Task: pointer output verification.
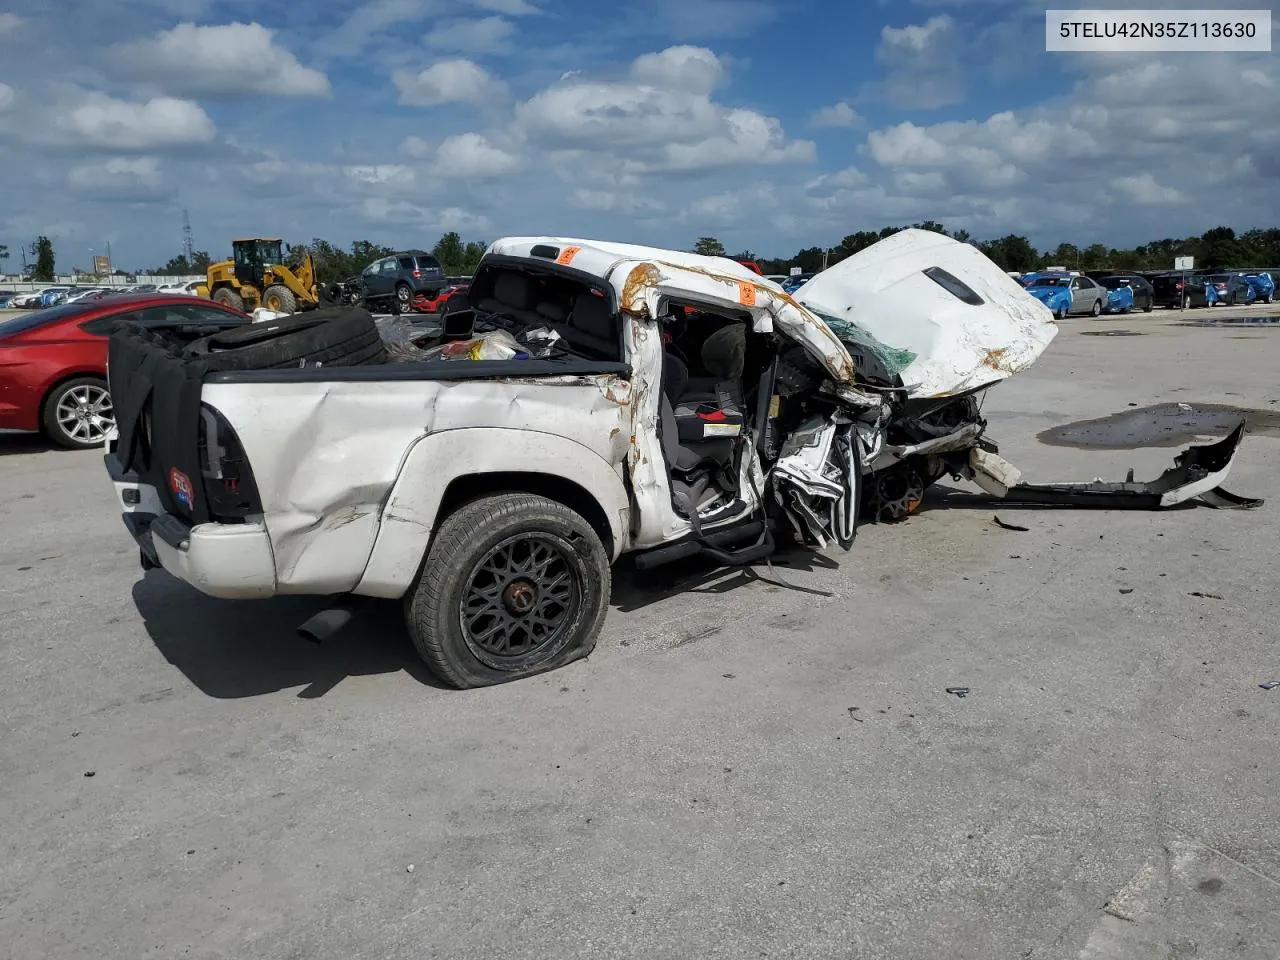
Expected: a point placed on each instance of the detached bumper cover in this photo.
(1197, 474)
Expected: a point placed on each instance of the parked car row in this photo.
(56, 294)
(1180, 290)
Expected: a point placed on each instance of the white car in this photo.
(592, 399)
(190, 289)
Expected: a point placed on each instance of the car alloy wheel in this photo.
(521, 597)
(84, 414)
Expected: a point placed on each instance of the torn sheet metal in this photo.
(817, 480)
(642, 276)
(1197, 474)
(957, 345)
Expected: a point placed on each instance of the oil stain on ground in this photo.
(1162, 425)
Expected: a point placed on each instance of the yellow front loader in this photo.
(257, 276)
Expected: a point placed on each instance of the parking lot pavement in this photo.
(759, 763)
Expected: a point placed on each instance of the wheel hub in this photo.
(520, 597)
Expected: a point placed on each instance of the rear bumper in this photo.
(229, 560)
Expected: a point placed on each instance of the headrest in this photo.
(514, 290)
(591, 314)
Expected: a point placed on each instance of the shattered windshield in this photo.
(894, 359)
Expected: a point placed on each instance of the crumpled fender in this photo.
(408, 518)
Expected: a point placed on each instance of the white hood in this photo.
(958, 346)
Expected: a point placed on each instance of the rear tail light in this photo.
(228, 479)
(417, 274)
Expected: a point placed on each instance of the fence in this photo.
(17, 284)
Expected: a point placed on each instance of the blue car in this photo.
(792, 284)
(1065, 293)
(1263, 287)
(1119, 300)
(53, 296)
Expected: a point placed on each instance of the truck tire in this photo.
(229, 298)
(279, 298)
(513, 585)
(341, 336)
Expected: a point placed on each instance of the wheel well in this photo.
(48, 394)
(463, 490)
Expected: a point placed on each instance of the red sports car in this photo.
(53, 363)
(423, 305)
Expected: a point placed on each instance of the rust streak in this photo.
(995, 359)
(641, 278)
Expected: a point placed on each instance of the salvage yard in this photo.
(759, 763)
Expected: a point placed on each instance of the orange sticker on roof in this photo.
(567, 255)
(746, 293)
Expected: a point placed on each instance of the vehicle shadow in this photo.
(231, 649)
(17, 443)
(636, 589)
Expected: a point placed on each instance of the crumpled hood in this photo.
(957, 346)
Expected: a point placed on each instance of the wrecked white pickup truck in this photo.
(591, 400)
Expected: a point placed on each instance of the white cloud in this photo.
(512, 8)
(923, 64)
(120, 179)
(9, 22)
(638, 126)
(828, 183)
(163, 122)
(7, 96)
(370, 19)
(472, 155)
(837, 115)
(1131, 142)
(398, 211)
(448, 81)
(693, 69)
(1144, 189)
(235, 58)
(915, 41)
(615, 202)
(469, 156)
(486, 35)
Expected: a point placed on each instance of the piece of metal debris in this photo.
(1207, 596)
(1270, 684)
(1126, 589)
(1010, 526)
(960, 692)
(853, 714)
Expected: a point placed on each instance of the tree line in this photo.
(1216, 249)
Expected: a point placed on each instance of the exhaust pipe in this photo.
(326, 623)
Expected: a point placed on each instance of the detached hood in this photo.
(954, 337)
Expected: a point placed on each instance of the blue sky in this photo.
(771, 125)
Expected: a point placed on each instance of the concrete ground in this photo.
(752, 764)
